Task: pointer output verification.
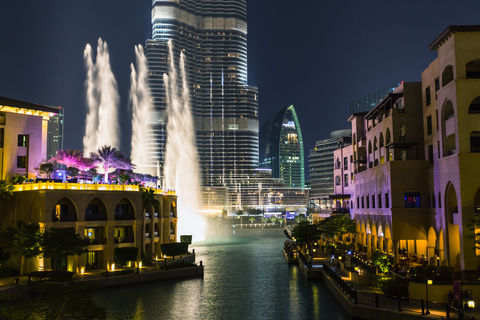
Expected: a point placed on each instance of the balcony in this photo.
(341, 211)
(124, 217)
(124, 240)
(95, 217)
(95, 241)
(65, 218)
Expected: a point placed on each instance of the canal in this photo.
(246, 277)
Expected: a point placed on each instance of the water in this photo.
(181, 160)
(140, 99)
(246, 277)
(101, 125)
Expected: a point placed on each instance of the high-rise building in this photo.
(55, 133)
(212, 35)
(281, 148)
(369, 101)
(322, 165)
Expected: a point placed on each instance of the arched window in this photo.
(401, 132)
(381, 140)
(475, 142)
(375, 144)
(474, 106)
(447, 75)
(448, 111)
(439, 200)
(337, 180)
(433, 200)
(387, 136)
(473, 69)
(369, 147)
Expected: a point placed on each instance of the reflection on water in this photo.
(246, 277)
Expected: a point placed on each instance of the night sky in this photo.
(316, 55)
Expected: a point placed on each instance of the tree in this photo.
(108, 157)
(306, 233)
(58, 242)
(381, 260)
(22, 241)
(4, 256)
(68, 157)
(300, 217)
(254, 212)
(252, 220)
(239, 212)
(6, 190)
(73, 301)
(148, 198)
(274, 219)
(337, 225)
(46, 168)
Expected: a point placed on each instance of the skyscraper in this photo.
(281, 148)
(55, 133)
(213, 36)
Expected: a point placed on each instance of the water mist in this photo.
(181, 160)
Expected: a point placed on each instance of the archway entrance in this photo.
(453, 230)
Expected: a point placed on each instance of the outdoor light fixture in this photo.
(314, 250)
(430, 282)
(356, 268)
(113, 267)
(82, 270)
(470, 301)
(140, 264)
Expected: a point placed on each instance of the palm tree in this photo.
(6, 190)
(148, 198)
(108, 157)
(22, 241)
(46, 168)
(67, 157)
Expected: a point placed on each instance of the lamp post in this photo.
(427, 283)
(470, 302)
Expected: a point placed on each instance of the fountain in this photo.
(181, 160)
(102, 100)
(140, 99)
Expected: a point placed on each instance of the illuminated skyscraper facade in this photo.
(281, 148)
(55, 134)
(213, 36)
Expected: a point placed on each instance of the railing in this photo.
(95, 217)
(155, 234)
(155, 215)
(65, 218)
(147, 235)
(342, 284)
(124, 217)
(95, 241)
(83, 186)
(124, 240)
(341, 210)
(147, 215)
(172, 215)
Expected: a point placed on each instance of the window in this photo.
(346, 179)
(436, 118)
(337, 181)
(438, 149)
(428, 99)
(430, 154)
(351, 158)
(358, 203)
(387, 200)
(433, 200)
(363, 203)
(92, 209)
(1, 137)
(22, 140)
(351, 176)
(439, 200)
(380, 200)
(412, 200)
(345, 163)
(399, 105)
(437, 85)
(22, 162)
(373, 201)
(121, 209)
(403, 155)
(401, 133)
(429, 125)
(368, 202)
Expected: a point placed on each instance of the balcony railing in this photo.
(95, 241)
(147, 235)
(147, 215)
(95, 217)
(341, 210)
(124, 240)
(124, 217)
(65, 218)
(83, 187)
(155, 234)
(172, 231)
(155, 215)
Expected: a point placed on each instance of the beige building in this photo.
(111, 216)
(416, 155)
(23, 137)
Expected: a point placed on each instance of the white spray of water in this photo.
(181, 160)
(101, 127)
(140, 99)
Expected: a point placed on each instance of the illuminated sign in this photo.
(289, 124)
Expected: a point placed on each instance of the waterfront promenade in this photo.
(366, 302)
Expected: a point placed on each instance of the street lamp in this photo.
(470, 301)
(428, 283)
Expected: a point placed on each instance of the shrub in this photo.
(118, 273)
(376, 280)
(393, 287)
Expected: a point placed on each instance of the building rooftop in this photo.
(18, 106)
(450, 30)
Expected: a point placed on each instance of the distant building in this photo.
(281, 148)
(55, 133)
(369, 101)
(322, 165)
